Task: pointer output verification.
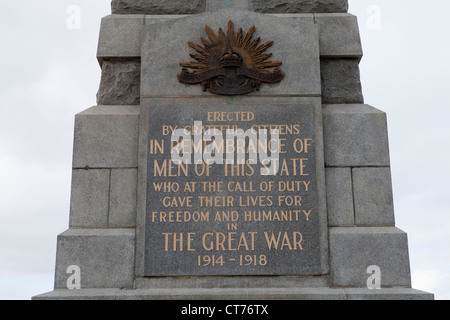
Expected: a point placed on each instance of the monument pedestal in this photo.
(239, 294)
(308, 214)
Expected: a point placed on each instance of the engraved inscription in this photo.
(229, 218)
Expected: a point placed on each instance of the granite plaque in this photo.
(231, 191)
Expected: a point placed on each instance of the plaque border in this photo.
(278, 102)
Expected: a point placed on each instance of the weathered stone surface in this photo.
(355, 135)
(340, 197)
(158, 6)
(339, 35)
(302, 293)
(374, 204)
(120, 37)
(104, 256)
(106, 137)
(300, 6)
(214, 5)
(122, 203)
(231, 282)
(354, 249)
(89, 199)
(120, 83)
(299, 54)
(387, 294)
(341, 81)
(198, 6)
(236, 294)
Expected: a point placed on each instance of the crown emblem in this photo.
(230, 63)
(230, 59)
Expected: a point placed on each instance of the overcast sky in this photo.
(49, 72)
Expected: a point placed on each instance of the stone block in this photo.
(374, 203)
(161, 18)
(122, 203)
(106, 137)
(387, 294)
(231, 282)
(353, 250)
(299, 6)
(120, 83)
(239, 294)
(339, 197)
(214, 5)
(89, 199)
(79, 295)
(158, 6)
(236, 294)
(355, 136)
(341, 83)
(105, 257)
(120, 37)
(339, 35)
(299, 54)
(199, 6)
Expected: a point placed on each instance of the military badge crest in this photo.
(231, 63)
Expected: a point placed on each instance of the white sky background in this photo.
(48, 73)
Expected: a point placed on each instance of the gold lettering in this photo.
(190, 239)
(216, 201)
(204, 169)
(286, 242)
(273, 242)
(155, 146)
(255, 201)
(307, 213)
(177, 201)
(168, 130)
(168, 169)
(298, 167)
(284, 168)
(243, 243)
(235, 186)
(290, 201)
(298, 238)
(211, 244)
(229, 241)
(212, 186)
(189, 186)
(245, 116)
(227, 216)
(178, 240)
(166, 241)
(220, 241)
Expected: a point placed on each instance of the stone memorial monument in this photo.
(231, 156)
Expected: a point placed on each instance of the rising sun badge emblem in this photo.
(231, 64)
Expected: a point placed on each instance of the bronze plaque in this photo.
(232, 219)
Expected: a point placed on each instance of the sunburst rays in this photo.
(213, 47)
